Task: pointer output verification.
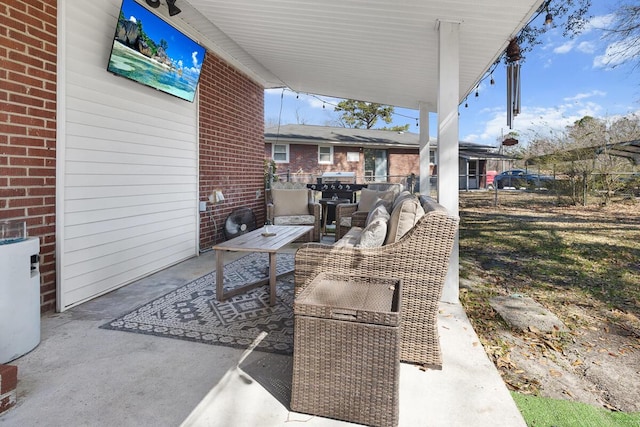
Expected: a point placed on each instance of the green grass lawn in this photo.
(545, 412)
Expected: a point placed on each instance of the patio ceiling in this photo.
(372, 50)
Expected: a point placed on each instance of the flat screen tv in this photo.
(150, 51)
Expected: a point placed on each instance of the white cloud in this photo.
(598, 23)
(194, 59)
(617, 53)
(581, 96)
(537, 121)
(133, 19)
(565, 47)
(586, 47)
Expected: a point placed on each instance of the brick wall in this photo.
(28, 126)
(403, 162)
(231, 145)
(8, 384)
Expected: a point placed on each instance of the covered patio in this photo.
(127, 168)
(81, 375)
(427, 56)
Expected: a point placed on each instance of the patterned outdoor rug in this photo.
(193, 313)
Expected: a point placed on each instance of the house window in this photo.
(280, 153)
(353, 156)
(325, 154)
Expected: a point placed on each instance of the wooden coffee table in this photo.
(254, 241)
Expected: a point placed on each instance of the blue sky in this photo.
(562, 81)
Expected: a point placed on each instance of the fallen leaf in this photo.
(555, 373)
(576, 362)
(551, 345)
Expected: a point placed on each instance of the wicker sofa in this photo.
(420, 258)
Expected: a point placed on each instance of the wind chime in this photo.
(513, 81)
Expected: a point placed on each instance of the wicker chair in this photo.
(420, 259)
(309, 215)
(348, 215)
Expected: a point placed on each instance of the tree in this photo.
(404, 128)
(360, 114)
(570, 15)
(582, 154)
(624, 32)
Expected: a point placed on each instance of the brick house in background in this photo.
(306, 152)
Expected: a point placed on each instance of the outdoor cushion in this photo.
(369, 197)
(345, 221)
(379, 210)
(400, 198)
(403, 217)
(294, 220)
(350, 239)
(290, 202)
(373, 235)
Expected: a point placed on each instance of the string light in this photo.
(325, 102)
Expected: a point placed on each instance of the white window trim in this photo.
(273, 148)
(330, 161)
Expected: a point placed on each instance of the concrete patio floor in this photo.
(81, 375)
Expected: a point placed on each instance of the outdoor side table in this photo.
(346, 357)
(329, 211)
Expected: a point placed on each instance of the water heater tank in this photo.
(19, 298)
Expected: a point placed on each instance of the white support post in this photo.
(425, 147)
(448, 139)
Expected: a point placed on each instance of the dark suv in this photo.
(519, 178)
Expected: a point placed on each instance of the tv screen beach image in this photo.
(150, 51)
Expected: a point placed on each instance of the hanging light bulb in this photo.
(492, 81)
(548, 20)
(416, 122)
(477, 94)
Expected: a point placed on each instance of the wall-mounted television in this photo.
(150, 51)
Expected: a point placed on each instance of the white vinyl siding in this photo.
(280, 153)
(127, 166)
